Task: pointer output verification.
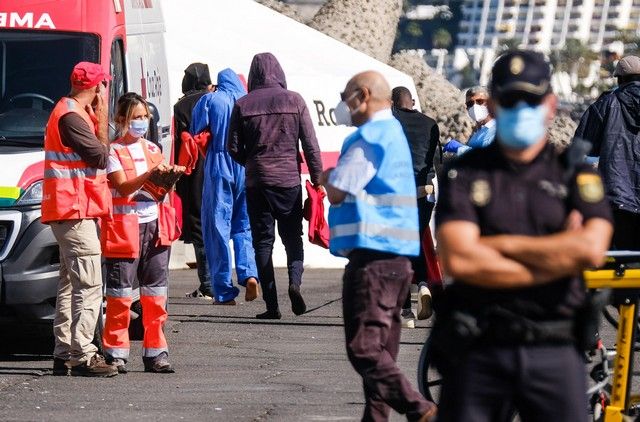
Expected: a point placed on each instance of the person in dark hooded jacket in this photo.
(195, 83)
(612, 124)
(267, 126)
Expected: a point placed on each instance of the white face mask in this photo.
(478, 113)
(343, 114)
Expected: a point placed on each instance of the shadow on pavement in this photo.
(26, 342)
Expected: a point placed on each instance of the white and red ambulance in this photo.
(40, 42)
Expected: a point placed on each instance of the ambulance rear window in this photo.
(34, 74)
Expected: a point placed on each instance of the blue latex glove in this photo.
(452, 146)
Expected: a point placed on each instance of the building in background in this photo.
(490, 26)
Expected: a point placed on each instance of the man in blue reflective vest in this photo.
(374, 222)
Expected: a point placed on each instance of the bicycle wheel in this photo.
(429, 379)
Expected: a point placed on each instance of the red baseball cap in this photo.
(86, 75)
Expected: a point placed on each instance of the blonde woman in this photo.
(136, 239)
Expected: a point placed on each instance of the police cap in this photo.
(520, 73)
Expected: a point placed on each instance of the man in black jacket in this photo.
(611, 124)
(423, 135)
(195, 83)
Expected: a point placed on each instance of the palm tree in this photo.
(630, 39)
(509, 44)
(574, 58)
(441, 38)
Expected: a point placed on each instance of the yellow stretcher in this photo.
(621, 272)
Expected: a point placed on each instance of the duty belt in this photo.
(506, 327)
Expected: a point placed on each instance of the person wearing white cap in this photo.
(611, 125)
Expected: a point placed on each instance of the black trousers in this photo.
(543, 383)
(626, 234)
(267, 205)
(375, 285)
(419, 263)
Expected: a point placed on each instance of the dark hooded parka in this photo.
(267, 127)
(266, 130)
(195, 84)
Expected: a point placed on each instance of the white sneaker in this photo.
(408, 318)
(425, 309)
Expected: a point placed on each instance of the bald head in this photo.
(367, 92)
(373, 82)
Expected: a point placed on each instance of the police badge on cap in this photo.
(521, 71)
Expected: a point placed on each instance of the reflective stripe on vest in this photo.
(372, 230)
(384, 215)
(62, 156)
(72, 173)
(124, 229)
(382, 200)
(71, 189)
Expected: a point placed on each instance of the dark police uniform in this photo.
(505, 365)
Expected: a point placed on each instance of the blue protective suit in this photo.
(224, 205)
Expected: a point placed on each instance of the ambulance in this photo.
(40, 42)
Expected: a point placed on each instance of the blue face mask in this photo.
(138, 127)
(521, 126)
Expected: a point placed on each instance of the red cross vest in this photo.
(71, 189)
(120, 233)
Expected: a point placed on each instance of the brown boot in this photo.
(96, 367)
(251, 292)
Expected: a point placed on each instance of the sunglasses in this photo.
(346, 99)
(509, 100)
(479, 101)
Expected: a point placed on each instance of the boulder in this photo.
(366, 25)
(286, 9)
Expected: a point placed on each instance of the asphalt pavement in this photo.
(229, 366)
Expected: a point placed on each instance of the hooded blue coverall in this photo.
(224, 205)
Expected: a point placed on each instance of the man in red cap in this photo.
(75, 194)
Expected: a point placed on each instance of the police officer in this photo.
(517, 223)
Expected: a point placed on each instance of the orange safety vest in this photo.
(120, 233)
(71, 189)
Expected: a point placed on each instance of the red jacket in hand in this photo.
(314, 213)
(190, 147)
